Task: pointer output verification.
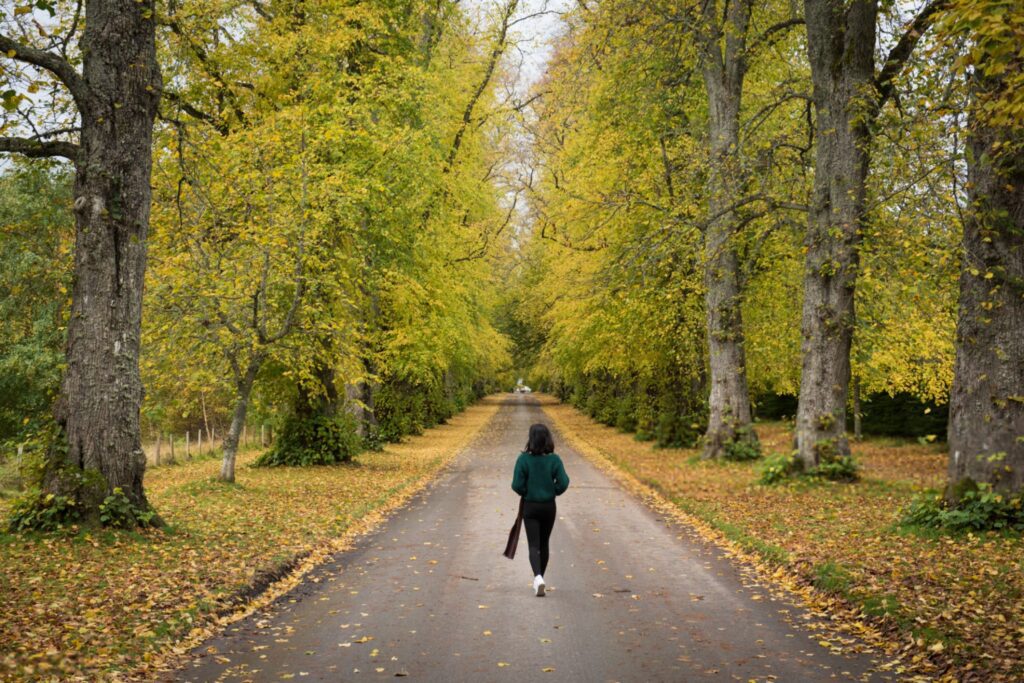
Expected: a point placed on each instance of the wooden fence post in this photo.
(158, 448)
(171, 439)
(263, 435)
(188, 445)
(199, 441)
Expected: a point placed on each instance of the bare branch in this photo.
(72, 29)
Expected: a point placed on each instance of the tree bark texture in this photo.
(243, 390)
(986, 407)
(841, 42)
(729, 416)
(101, 393)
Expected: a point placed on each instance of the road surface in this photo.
(429, 597)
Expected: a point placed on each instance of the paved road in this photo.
(430, 597)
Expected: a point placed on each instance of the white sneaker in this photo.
(538, 586)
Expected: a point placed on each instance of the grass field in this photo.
(89, 605)
(954, 605)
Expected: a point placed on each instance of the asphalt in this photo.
(632, 597)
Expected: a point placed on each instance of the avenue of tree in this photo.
(717, 184)
(345, 216)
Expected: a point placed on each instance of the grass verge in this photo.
(97, 605)
(945, 607)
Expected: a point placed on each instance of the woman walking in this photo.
(539, 476)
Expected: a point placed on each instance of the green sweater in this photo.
(539, 478)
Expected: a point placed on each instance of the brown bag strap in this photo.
(513, 534)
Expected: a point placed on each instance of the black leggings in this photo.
(539, 518)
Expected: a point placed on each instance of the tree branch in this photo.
(195, 113)
(901, 52)
(766, 35)
(492, 63)
(37, 149)
(55, 64)
(207, 64)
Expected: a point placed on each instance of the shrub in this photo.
(837, 468)
(743, 448)
(625, 414)
(779, 467)
(314, 440)
(644, 435)
(36, 511)
(117, 511)
(76, 490)
(978, 508)
(680, 430)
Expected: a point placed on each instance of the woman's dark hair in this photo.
(540, 441)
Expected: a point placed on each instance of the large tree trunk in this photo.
(986, 407)
(841, 42)
(724, 70)
(243, 390)
(98, 408)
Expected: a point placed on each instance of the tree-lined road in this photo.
(430, 597)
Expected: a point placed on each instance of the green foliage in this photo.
(836, 468)
(118, 511)
(978, 508)
(833, 464)
(779, 467)
(80, 491)
(36, 511)
(680, 430)
(314, 440)
(403, 407)
(742, 449)
(656, 411)
(625, 413)
(36, 233)
(782, 467)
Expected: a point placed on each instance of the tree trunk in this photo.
(986, 407)
(243, 390)
(101, 392)
(325, 401)
(857, 427)
(206, 419)
(729, 416)
(841, 42)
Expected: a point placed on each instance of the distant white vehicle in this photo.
(523, 389)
